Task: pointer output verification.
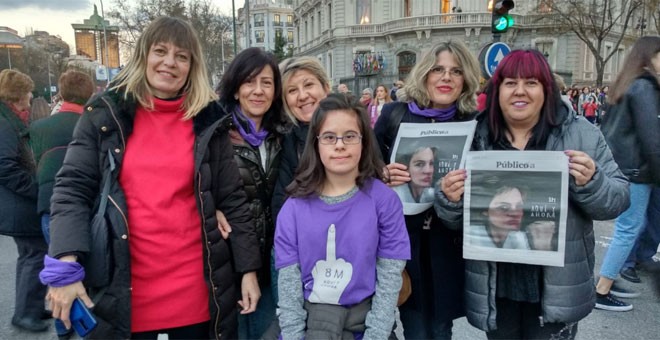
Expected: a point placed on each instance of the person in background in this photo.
(646, 245)
(340, 217)
(39, 109)
(251, 97)
(589, 109)
(343, 88)
(524, 111)
(49, 138)
(367, 96)
(583, 98)
(18, 200)
(441, 88)
(631, 129)
(381, 98)
(396, 86)
(172, 271)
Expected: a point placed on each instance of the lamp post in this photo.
(222, 47)
(105, 42)
(233, 17)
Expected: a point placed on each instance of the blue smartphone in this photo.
(81, 317)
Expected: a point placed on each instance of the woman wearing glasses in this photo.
(440, 88)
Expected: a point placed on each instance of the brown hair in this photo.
(636, 63)
(75, 87)
(14, 85)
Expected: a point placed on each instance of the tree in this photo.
(202, 14)
(594, 22)
(281, 51)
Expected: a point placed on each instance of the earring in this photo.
(236, 96)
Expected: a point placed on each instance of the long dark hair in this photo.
(245, 66)
(310, 175)
(636, 63)
(523, 64)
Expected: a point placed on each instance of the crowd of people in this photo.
(272, 208)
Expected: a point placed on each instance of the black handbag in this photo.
(98, 262)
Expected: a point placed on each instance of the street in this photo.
(643, 322)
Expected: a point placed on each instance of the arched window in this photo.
(406, 61)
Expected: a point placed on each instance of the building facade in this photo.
(91, 40)
(367, 42)
(261, 21)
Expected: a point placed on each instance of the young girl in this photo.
(341, 241)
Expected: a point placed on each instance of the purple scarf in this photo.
(254, 138)
(441, 115)
(58, 273)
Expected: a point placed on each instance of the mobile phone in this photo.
(81, 317)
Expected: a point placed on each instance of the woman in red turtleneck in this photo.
(173, 271)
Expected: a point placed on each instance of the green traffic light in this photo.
(509, 20)
(501, 24)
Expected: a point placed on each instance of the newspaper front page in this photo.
(515, 207)
(430, 151)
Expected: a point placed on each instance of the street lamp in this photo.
(222, 46)
(105, 42)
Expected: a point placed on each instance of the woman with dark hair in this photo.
(154, 143)
(421, 162)
(440, 88)
(340, 219)
(251, 95)
(525, 112)
(18, 199)
(381, 97)
(631, 129)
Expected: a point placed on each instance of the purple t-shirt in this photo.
(336, 245)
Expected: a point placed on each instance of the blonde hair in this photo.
(415, 87)
(132, 79)
(14, 85)
(290, 66)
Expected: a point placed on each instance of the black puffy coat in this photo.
(18, 184)
(292, 148)
(106, 125)
(632, 130)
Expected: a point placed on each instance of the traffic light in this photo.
(501, 20)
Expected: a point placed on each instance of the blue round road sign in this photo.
(495, 52)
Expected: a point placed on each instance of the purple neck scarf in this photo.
(441, 115)
(254, 138)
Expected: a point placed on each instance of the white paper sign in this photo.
(515, 207)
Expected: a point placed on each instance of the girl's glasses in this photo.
(329, 138)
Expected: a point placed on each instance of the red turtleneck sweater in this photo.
(168, 287)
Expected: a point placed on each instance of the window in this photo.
(276, 20)
(278, 33)
(289, 36)
(329, 16)
(318, 23)
(407, 8)
(259, 35)
(445, 6)
(289, 19)
(363, 11)
(259, 20)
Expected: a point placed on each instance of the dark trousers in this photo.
(647, 243)
(520, 320)
(30, 293)
(196, 331)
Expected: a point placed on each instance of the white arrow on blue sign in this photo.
(494, 54)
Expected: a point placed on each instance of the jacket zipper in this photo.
(123, 216)
(112, 113)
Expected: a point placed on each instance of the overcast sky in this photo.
(56, 16)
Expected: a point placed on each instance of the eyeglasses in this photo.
(441, 70)
(329, 138)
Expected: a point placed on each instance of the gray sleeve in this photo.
(381, 317)
(450, 213)
(290, 311)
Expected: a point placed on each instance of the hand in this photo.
(332, 275)
(223, 225)
(541, 233)
(581, 166)
(250, 293)
(61, 298)
(453, 184)
(398, 174)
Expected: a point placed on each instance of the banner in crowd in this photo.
(429, 151)
(515, 207)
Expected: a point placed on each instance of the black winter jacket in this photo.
(49, 138)
(292, 148)
(632, 130)
(106, 125)
(18, 185)
(259, 186)
(436, 267)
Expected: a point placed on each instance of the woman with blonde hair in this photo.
(440, 88)
(381, 97)
(154, 144)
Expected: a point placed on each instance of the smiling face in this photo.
(340, 159)
(304, 91)
(421, 169)
(521, 100)
(505, 210)
(256, 94)
(167, 69)
(443, 82)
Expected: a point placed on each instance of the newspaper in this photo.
(515, 207)
(430, 151)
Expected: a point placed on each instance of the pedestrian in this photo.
(39, 109)
(340, 218)
(18, 199)
(396, 86)
(367, 96)
(251, 97)
(583, 98)
(646, 245)
(441, 88)
(631, 129)
(171, 271)
(589, 109)
(374, 109)
(343, 88)
(521, 301)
